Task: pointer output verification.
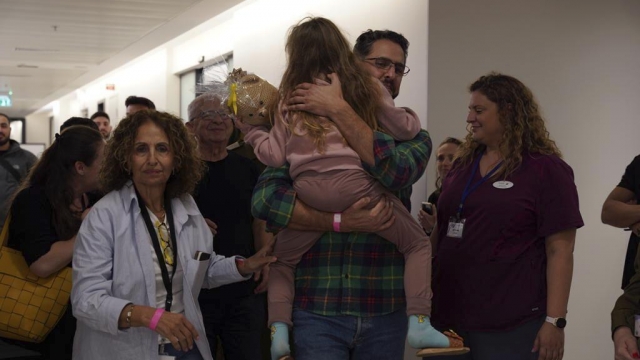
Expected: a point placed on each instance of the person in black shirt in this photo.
(46, 214)
(234, 312)
(621, 209)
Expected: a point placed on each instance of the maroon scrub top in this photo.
(494, 277)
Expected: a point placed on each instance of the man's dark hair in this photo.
(78, 121)
(5, 115)
(137, 100)
(362, 48)
(100, 114)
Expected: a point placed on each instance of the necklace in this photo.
(159, 214)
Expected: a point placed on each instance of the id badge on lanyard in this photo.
(456, 227)
(456, 223)
(162, 355)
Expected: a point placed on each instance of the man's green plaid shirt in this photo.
(359, 274)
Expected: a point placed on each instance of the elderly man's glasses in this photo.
(211, 115)
(385, 64)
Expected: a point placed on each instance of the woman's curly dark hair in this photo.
(187, 166)
(519, 114)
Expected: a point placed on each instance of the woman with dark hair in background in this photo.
(46, 214)
(444, 160)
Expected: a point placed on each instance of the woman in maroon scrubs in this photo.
(507, 219)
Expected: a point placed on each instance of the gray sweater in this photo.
(22, 161)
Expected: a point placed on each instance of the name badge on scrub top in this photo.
(456, 227)
(503, 185)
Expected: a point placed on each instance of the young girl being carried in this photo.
(328, 174)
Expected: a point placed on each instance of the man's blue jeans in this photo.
(317, 337)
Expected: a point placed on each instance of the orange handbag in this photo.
(30, 306)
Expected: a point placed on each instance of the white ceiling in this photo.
(48, 46)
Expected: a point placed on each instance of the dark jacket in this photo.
(22, 161)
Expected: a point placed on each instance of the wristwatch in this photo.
(558, 322)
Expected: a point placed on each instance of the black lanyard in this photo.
(156, 246)
(470, 188)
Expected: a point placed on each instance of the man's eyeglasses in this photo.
(210, 115)
(385, 64)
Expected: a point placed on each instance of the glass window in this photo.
(190, 80)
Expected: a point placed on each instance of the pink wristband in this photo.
(337, 219)
(156, 319)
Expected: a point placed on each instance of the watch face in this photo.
(561, 323)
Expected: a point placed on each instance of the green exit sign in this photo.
(5, 101)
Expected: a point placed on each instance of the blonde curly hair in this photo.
(188, 168)
(519, 115)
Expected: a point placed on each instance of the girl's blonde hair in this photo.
(316, 47)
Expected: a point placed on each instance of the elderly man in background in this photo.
(234, 312)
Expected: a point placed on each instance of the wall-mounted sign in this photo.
(5, 100)
(111, 86)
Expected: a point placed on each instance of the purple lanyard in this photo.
(470, 188)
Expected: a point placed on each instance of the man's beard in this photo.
(6, 140)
